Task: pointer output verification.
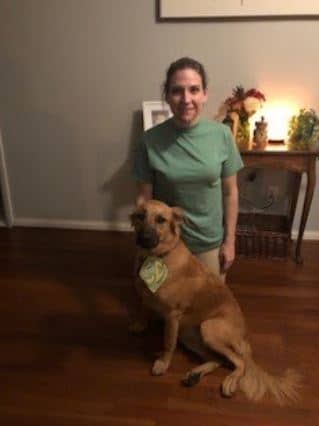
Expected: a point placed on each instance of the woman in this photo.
(191, 162)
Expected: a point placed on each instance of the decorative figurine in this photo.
(260, 139)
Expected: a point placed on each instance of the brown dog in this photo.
(197, 307)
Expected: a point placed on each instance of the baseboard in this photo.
(107, 226)
(73, 224)
(308, 235)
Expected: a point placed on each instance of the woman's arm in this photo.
(144, 192)
(230, 202)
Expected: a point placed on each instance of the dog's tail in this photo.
(256, 382)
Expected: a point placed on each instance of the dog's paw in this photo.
(159, 367)
(229, 385)
(191, 379)
(137, 327)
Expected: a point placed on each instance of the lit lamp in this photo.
(278, 115)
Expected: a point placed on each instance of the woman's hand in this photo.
(226, 255)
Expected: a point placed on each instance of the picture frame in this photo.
(236, 9)
(155, 112)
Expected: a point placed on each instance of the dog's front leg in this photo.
(170, 340)
(139, 316)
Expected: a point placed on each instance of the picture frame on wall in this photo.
(234, 9)
(155, 112)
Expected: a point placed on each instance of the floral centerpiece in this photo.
(236, 111)
(303, 132)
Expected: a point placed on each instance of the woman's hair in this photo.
(181, 64)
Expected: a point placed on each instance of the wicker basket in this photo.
(262, 235)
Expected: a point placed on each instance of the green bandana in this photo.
(153, 272)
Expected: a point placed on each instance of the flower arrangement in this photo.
(236, 111)
(303, 132)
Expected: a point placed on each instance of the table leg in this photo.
(311, 181)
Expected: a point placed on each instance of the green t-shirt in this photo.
(185, 167)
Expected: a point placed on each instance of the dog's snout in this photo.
(147, 238)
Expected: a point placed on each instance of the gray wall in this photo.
(74, 74)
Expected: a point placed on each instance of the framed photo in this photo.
(216, 9)
(155, 112)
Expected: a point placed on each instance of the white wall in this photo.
(75, 72)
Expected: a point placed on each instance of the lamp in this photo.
(278, 115)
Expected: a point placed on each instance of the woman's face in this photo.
(186, 96)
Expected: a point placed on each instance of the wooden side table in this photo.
(299, 162)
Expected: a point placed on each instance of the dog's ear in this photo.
(132, 217)
(178, 215)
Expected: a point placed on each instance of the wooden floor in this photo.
(67, 359)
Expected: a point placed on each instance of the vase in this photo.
(242, 136)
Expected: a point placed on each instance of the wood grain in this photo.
(66, 357)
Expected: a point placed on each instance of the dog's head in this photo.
(157, 226)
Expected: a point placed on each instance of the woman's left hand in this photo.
(226, 255)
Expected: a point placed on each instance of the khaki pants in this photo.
(211, 260)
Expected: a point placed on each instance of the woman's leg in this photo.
(211, 260)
